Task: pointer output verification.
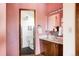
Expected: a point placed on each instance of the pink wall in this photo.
(13, 25)
(2, 29)
(53, 6)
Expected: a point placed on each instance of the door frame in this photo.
(20, 29)
(76, 31)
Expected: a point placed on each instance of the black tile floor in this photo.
(27, 51)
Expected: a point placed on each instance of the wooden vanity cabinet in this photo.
(50, 48)
(45, 47)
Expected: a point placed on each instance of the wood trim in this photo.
(20, 28)
(77, 29)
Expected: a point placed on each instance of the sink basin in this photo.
(51, 37)
(47, 37)
(43, 36)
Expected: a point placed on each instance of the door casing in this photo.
(20, 28)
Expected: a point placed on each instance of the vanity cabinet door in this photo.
(47, 47)
(60, 47)
(54, 49)
(42, 49)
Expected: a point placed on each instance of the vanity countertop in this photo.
(58, 40)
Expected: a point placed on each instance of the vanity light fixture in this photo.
(56, 11)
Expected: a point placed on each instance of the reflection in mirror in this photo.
(55, 23)
(27, 32)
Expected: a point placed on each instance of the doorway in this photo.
(26, 32)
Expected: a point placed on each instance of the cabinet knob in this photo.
(55, 45)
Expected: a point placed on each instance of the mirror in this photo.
(27, 36)
(55, 22)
